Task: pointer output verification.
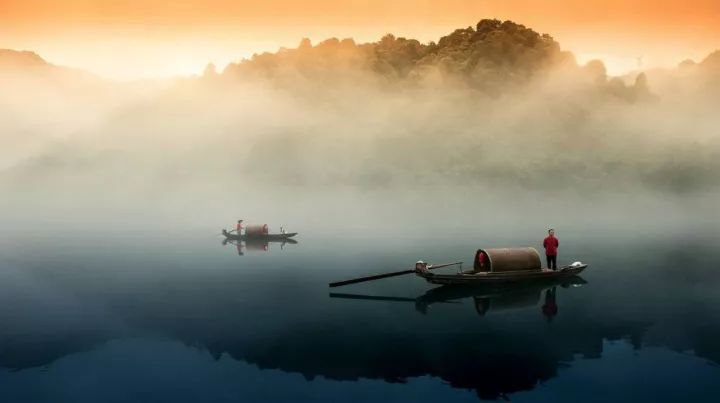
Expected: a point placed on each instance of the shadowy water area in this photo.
(103, 316)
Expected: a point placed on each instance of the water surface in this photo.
(113, 317)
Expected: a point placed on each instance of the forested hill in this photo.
(491, 50)
(498, 106)
(491, 57)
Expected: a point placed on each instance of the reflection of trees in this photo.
(28, 351)
(491, 363)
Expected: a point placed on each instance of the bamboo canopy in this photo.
(513, 259)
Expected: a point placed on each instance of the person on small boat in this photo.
(551, 244)
(239, 227)
(481, 261)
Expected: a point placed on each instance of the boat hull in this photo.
(502, 277)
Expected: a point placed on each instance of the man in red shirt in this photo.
(551, 247)
(239, 227)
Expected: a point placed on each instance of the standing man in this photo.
(551, 246)
(239, 227)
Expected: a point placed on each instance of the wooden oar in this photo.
(386, 275)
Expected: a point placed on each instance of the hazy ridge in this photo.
(492, 108)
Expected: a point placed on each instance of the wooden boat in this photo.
(267, 237)
(490, 266)
(504, 265)
(502, 278)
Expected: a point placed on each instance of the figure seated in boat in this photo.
(482, 262)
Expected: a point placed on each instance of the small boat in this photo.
(501, 278)
(260, 236)
(501, 266)
(504, 265)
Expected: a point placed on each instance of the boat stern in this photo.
(421, 267)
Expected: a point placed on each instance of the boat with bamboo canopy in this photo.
(490, 266)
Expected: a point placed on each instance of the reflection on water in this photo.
(485, 298)
(262, 245)
(63, 299)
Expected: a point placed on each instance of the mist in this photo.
(491, 126)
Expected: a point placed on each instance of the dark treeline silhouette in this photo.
(492, 57)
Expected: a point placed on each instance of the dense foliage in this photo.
(492, 53)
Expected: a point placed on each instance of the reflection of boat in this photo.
(256, 244)
(485, 297)
(266, 237)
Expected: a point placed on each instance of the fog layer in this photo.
(495, 114)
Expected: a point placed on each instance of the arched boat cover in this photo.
(255, 230)
(513, 259)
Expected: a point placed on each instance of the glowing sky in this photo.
(128, 39)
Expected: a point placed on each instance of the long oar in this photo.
(386, 275)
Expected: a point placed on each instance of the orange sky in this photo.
(128, 39)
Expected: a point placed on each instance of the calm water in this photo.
(116, 318)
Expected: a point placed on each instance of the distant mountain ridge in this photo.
(27, 65)
(21, 59)
(491, 53)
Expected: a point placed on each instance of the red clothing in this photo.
(482, 258)
(551, 245)
(239, 227)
